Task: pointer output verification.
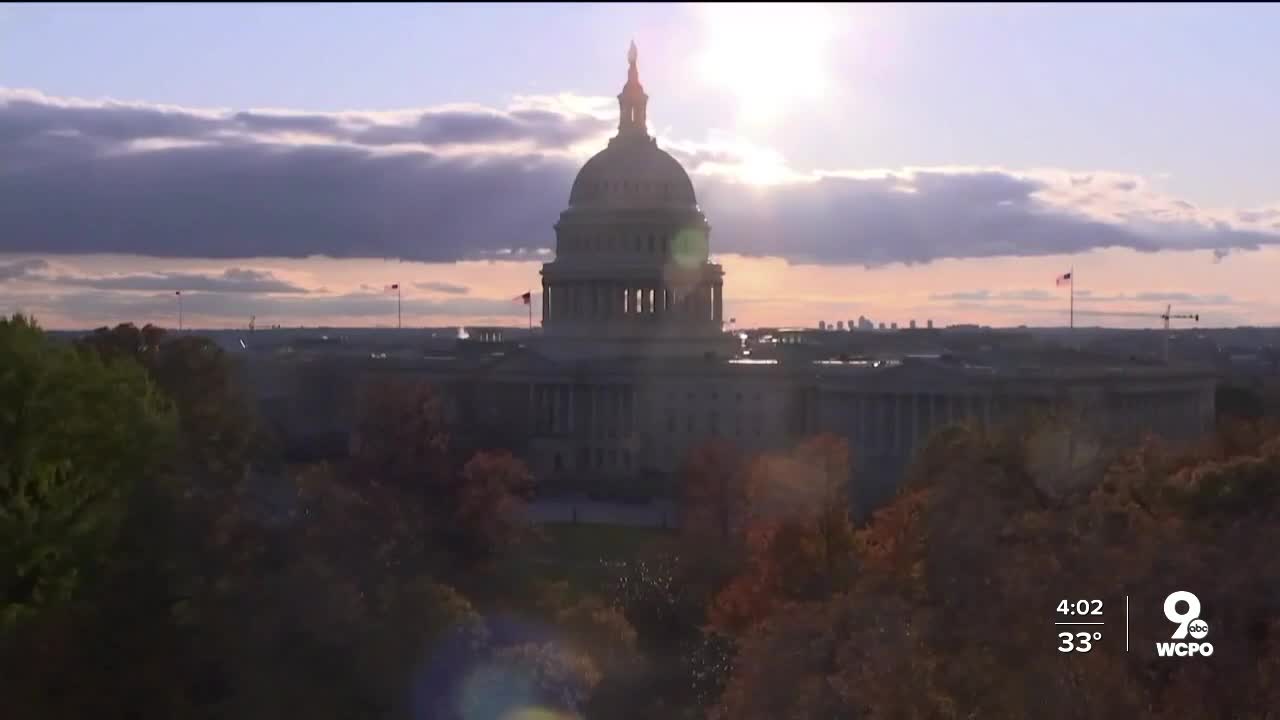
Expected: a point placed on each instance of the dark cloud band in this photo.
(454, 184)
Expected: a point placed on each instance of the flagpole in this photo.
(397, 306)
(530, 306)
(1072, 287)
(179, 294)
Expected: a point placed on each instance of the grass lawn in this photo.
(574, 552)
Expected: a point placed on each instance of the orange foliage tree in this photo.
(971, 559)
(799, 536)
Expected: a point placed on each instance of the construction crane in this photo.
(1168, 315)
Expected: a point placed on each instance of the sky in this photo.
(288, 162)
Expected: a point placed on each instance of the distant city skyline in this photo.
(892, 162)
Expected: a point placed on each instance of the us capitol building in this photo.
(633, 368)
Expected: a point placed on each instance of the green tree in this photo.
(76, 436)
(219, 431)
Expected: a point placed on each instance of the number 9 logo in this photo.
(1182, 620)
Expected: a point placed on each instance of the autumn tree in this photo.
(714, 492)
(400, 438)
(469, 511)
(799, 537)
(980, 545)
(489, 513)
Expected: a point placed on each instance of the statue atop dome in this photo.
(632, 101)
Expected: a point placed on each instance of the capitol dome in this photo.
(632, 270)
(632, 172)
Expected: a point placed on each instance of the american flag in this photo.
(394, 286)
(526, 298)
(1064, 279)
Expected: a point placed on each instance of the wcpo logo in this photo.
(1189, 623)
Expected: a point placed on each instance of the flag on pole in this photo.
(177, 292)
(526, 298)
(394, 286)
(1064, 279)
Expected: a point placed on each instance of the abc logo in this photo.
(1182, 608)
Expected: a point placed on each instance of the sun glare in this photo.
(767, 55)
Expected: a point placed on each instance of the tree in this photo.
(400, 438)
(488, 517)
(218, 427)
(714, 493)
(800, 537)
(470, 512)
(947, 614)
(76, 436)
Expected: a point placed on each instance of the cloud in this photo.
(963, 296)
(232, 280)
(19, 269)
(976, 297)
(467, 182)
(442, 287)
(985, 295)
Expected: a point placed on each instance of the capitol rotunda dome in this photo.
(632, 270)
(632, 172)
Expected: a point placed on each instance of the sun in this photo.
(767, 56)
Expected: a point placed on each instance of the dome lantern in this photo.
(632, 101)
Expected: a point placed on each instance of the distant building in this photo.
(865, 324)
(930, 324)
(840, 325)
(913, 325)
(822, 324)
(893, 326)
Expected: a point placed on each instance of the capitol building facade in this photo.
(633, 367)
